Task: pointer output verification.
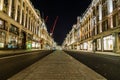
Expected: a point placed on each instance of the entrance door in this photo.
(23, 40)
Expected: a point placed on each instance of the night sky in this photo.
(67, 12)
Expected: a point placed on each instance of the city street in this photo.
(10, 65)
(59, 40)
(57, 66)
(106, 65)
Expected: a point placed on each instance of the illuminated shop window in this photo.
(98, 44)
(85, 46)
(108, 42)
(13, 41)
(90, 47)
(2, 39)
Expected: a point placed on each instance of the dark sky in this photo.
(67, 12)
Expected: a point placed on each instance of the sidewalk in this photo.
(98, 52)
(108, 53)
(10, 52)
(57, 66)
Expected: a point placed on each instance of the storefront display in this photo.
(90, 47)
(29, 44)
(2, 25)
(33, 44)
(108, 42)
(81, 46)
(13, 41)
(85, 46)
(98, 44)
(2, 39)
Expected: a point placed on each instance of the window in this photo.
(5, 6)
(14, 30)
(104, 11)
(26, 21)
(108, 42)
(103, 1)
(98, 44)
(13, 10)
(98, 29)
(23, 4)
(2, 24)
(23, 18)
(13, 41)
(94, 13)
(116, 21)
(104, 25)
(115, 4)
(18, 14)
(2, 39)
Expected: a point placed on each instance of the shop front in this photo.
(2, 34)
(2, 39)
(85, 46)
(13, 41)
(29, 44)
(23, 40)
(99, 44)
(13, 37)
(108, 43)
(81, 46)
(36, 43)
(90, 46)
(29, 41)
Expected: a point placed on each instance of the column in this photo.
(110, 6)
(116, 43)
(21, 4)
(27, 19)
(16, 8)
(10, 6)
(24, 15)
(1, 5)
(102, 44)
(73, 37)
(100, 17)
(78, 47)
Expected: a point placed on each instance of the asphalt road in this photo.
(106, 65)
(12, 64)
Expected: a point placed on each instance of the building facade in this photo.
(99, 27)
(20, 25)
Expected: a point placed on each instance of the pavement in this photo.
(10, 52)
(98, 52)
(57, 66)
